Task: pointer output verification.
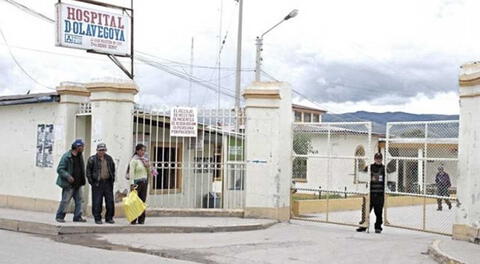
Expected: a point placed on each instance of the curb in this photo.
(439, 256)
(58, 229)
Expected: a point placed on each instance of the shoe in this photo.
(81, 220)
(133, 223)
(98, 222)
(60, 220)
(439, 209)
(110, 221)
(361, 229)
(378, 231)
(450, 207)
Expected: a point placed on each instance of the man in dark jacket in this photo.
(442, 179)
(71, 178)
(101, 175)
(377, 193)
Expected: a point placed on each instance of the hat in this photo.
(78, 143)
(101, 146)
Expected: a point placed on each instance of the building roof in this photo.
(308, 108)
(29, 98)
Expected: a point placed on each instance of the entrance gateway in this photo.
(205, 170)
(330, 185)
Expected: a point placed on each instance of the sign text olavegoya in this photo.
(84, 28)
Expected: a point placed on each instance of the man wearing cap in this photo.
(377, 193)
(101, 176)
(71, 178)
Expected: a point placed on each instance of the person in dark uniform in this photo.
(377, 193)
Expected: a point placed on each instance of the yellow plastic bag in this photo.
(133, 206)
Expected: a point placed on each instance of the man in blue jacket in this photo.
(71, 178)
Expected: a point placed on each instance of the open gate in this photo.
(421, 160)
(330, 183)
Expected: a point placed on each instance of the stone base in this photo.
(280, 214)
(466, 233)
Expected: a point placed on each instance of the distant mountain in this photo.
(379, 120)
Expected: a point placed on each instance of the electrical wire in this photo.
(19, 65)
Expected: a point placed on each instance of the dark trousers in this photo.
(376, 203)
(100, 190)
(142, 190)
(442, 191)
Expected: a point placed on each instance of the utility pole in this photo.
(239, 56)
(191, 74)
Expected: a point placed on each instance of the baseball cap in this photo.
(101, 146)
(78, 143)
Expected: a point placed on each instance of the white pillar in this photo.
(112, 123)
(420, 170)
(268, 150)
(468, 183)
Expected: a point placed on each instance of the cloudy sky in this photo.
(344, 55)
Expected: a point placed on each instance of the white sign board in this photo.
(183, 122)
(90, 29)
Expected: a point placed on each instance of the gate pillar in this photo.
(112, 108)
(467, 224)
(268, 150)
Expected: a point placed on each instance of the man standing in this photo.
(101, 175)
(71, 178)
(443, 183)
(377, 193)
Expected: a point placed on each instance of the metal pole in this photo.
(258, 60)
(239, 55)
(132, 59)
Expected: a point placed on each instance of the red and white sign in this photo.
(89, 29)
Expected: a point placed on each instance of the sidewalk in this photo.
(295, 242)
(44, 223)
(454, 251)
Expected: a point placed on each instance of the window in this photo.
(236, 177)
(298, 116)
(316, 118)
(299, 169)
(307, 117)
(168, 160)
(359, 164)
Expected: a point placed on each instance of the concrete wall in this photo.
(19, 175)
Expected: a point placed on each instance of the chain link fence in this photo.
(421, 162)
(330, 172)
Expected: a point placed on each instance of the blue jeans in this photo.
(67, 194)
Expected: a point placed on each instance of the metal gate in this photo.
(421, 161)
(330, 183)
(206, 171)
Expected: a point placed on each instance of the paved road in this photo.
(19, 248)
(298, 242)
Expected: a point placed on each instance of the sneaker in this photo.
(439, 209)
(98, 222)
(110, 221)
(60, 220)
(378, 231)
(361, 229)
(81, 220)
(449, 206)
(141, 223)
